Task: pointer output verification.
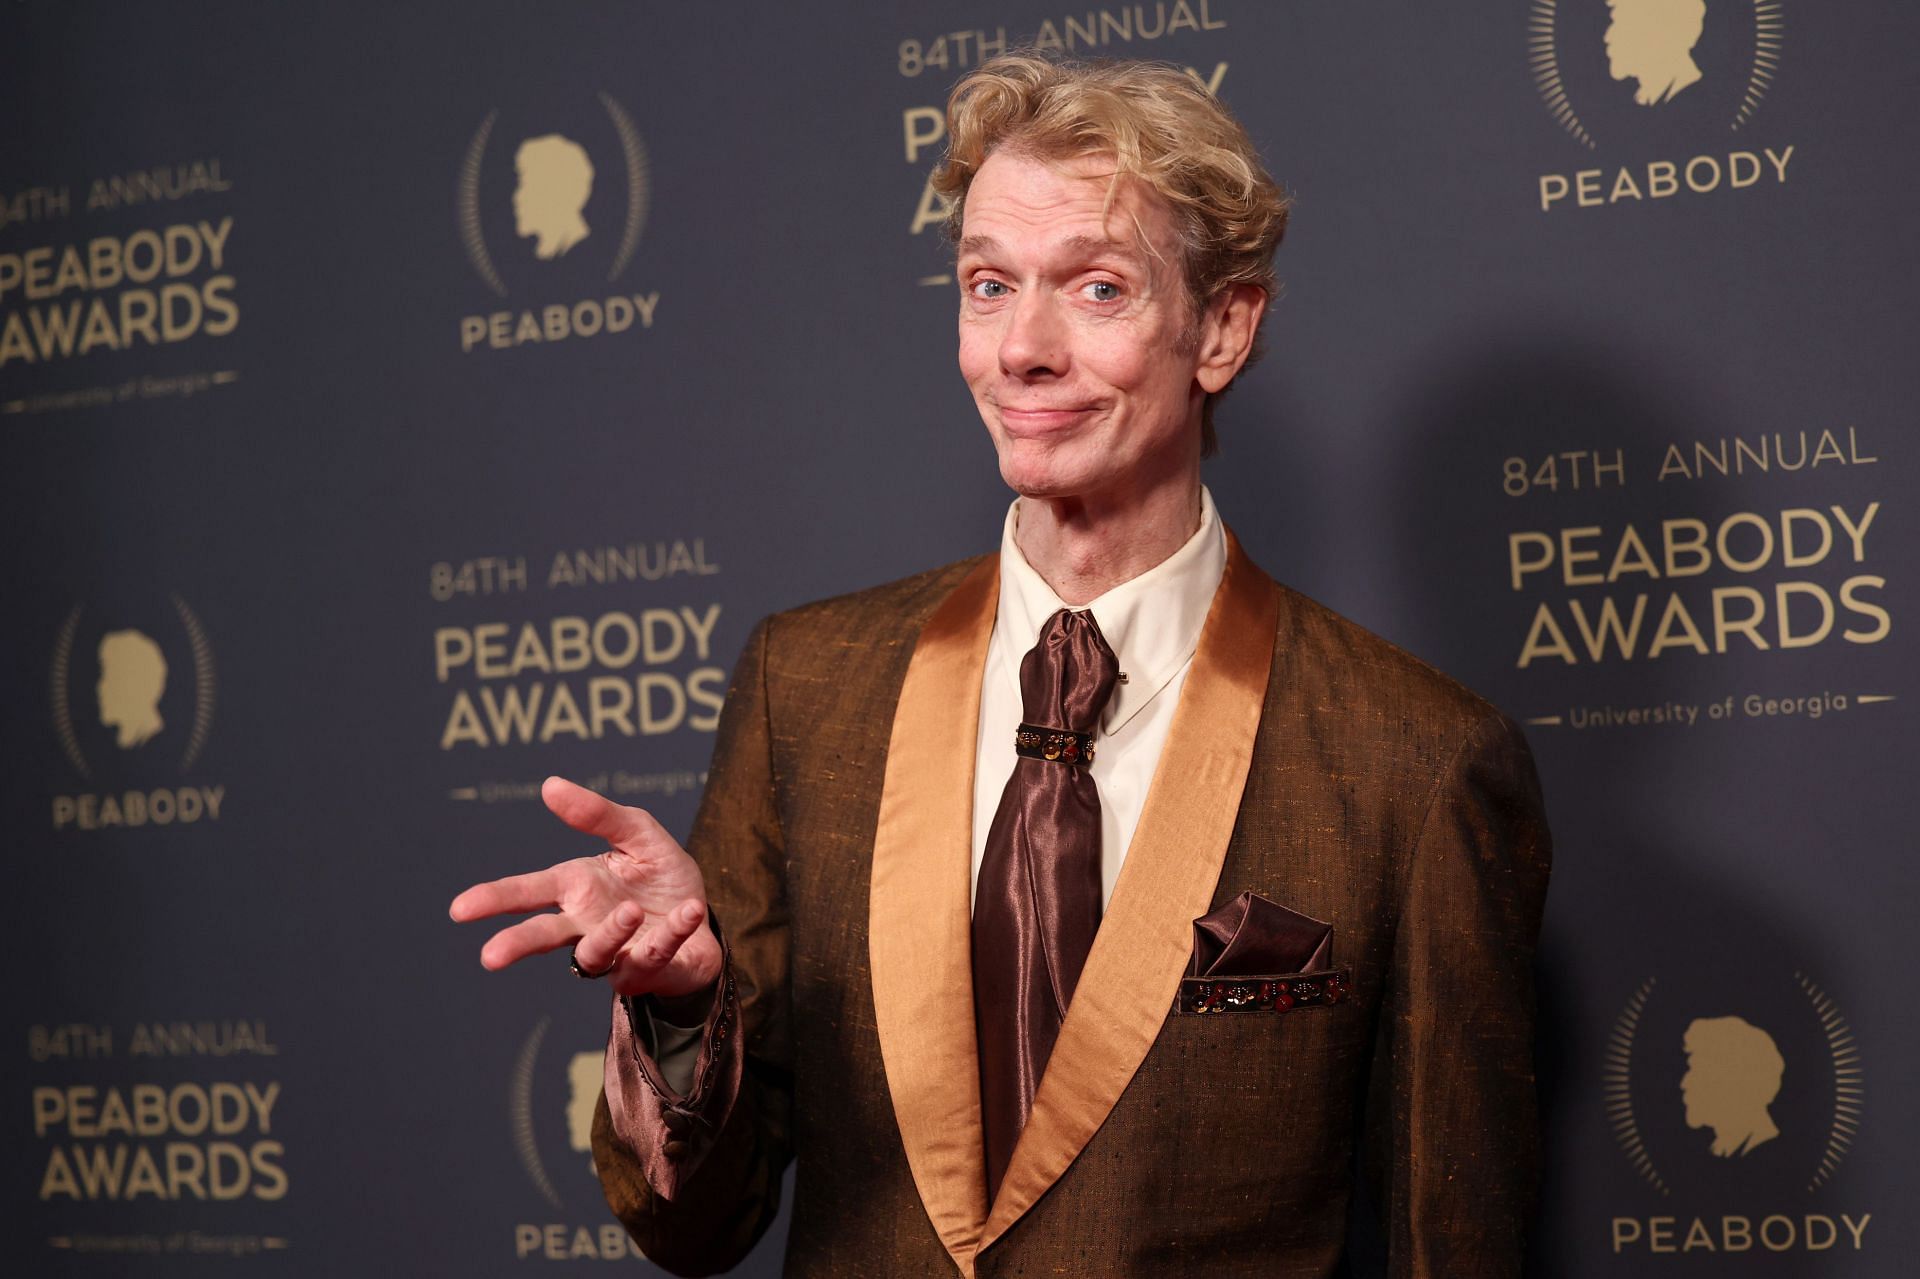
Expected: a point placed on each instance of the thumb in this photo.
(593, 814)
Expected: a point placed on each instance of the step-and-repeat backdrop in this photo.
(401, 403)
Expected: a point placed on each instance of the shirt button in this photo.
(675, 1148)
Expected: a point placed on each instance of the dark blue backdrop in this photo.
(329, 487)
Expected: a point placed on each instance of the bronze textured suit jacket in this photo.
(1309, 761)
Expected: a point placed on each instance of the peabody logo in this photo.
(551, 1104)
(537, 215)
(1646, 74)
(1739, 1099)
(133, 700)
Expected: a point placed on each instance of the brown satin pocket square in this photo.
(1255, 955)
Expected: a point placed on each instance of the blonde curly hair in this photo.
(1161, 127)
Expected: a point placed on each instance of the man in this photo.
(1079, 903)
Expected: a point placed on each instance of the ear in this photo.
(1226, 335)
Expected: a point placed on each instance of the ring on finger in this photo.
(578, 971)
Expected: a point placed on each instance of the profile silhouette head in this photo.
(1733, 1075)
(584, 1073)
(555, 180)
(133, 675)
(1652, 41)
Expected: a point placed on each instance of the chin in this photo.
(1046, 459)
(1041, 477)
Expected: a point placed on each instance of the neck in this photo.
(1084, 546)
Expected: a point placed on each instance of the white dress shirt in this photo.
(1152, 623)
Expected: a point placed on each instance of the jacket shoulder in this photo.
(888, 616)
(1371, 676)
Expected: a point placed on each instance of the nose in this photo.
(1035, 341)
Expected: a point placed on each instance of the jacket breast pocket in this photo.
(1270, 994)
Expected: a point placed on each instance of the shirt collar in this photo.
(1152, 622)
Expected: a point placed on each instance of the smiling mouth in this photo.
(1041, 418)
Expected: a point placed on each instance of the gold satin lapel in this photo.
(1133, 971)
(920, 914)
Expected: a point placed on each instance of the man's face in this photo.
(1641, 35)
(1692, 1091)
(1080, 346)
(520, 224)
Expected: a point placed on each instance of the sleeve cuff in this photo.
(669, 1088)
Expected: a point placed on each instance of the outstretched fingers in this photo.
(514, 895)
(534, 936)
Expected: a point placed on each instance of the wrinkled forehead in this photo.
(1073, 205)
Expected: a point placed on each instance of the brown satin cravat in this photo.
(1037, 901)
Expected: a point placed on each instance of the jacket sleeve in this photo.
(1452, 1116)
(695, 1176)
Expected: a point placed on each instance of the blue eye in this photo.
(1105, 290)
(989, 288)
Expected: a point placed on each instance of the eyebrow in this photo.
(1089, 244)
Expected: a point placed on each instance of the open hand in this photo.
(639, 908)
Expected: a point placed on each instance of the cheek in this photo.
(1146, 365)
(979, 351)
